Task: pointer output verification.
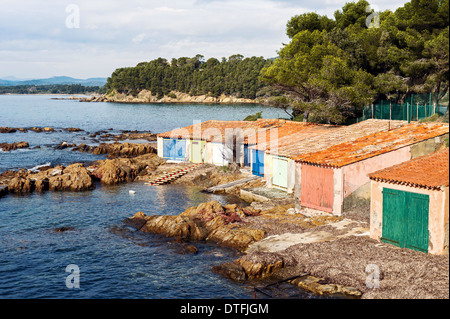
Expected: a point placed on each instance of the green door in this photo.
(417, 230)
(405, 219)
(280, 168)
(393, 217)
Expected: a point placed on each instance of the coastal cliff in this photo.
(146, 96)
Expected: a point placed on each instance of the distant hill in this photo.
(55, 80)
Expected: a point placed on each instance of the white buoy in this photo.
(132, 192)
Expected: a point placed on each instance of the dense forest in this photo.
(328, 71)
(52, 89)
(331, 68)
(237, 76)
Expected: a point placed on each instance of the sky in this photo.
(91, 38)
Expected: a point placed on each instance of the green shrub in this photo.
(254, 117)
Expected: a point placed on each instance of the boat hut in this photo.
(274, 158)
(214, 142)
(284, 173)
(410, 204)
(335, 179)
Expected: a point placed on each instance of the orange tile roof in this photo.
(373, 144)
(279, 140)
(326, 136)
(429, 171)
(213, 130)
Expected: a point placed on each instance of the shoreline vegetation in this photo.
(53, 89)
(275, 242)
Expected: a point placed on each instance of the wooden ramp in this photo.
(169, 177)
(231, 184)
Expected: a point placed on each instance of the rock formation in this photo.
(13, 146)
(208, 221)
(74, 177)
(117, 149)
(119, 170)
(146, 96)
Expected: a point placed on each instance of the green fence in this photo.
(413, 108)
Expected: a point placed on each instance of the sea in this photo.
(99, 256)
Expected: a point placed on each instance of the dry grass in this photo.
(404, 274)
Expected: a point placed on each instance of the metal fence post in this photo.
(407, 112)
(417, 111)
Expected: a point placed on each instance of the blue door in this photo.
(174, 149)
(258, 163)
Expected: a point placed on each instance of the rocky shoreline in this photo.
(232, 226)
(275, 241)
(174, 97)
(125, 162)
(324, 254)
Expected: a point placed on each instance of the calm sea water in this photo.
(43, 111)
(114, 260)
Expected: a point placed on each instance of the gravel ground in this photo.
(354, 261)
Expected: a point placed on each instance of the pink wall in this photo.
(356, 175)
(437, 220)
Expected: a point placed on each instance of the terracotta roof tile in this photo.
(252, 131)
(328, 135)
(429, 171)
(280, 140)
(373, 144)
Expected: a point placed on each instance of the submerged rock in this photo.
(231, 270)
(186, 249)
(41, 129)
(13, 146)
(115, 150)
(8, 129)
(63, 229)
(3, 190)
(64, 145)
(73, 129)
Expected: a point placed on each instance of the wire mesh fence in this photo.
(413, 108)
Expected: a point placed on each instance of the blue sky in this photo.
(44, 38)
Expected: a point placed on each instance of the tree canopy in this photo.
(52, 89)
(235, 76)
(331, 68)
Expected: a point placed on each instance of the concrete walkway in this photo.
(277, 243)
(231, 184)
(262, 194)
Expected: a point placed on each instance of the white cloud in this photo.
(139, 38)
(34, 41)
